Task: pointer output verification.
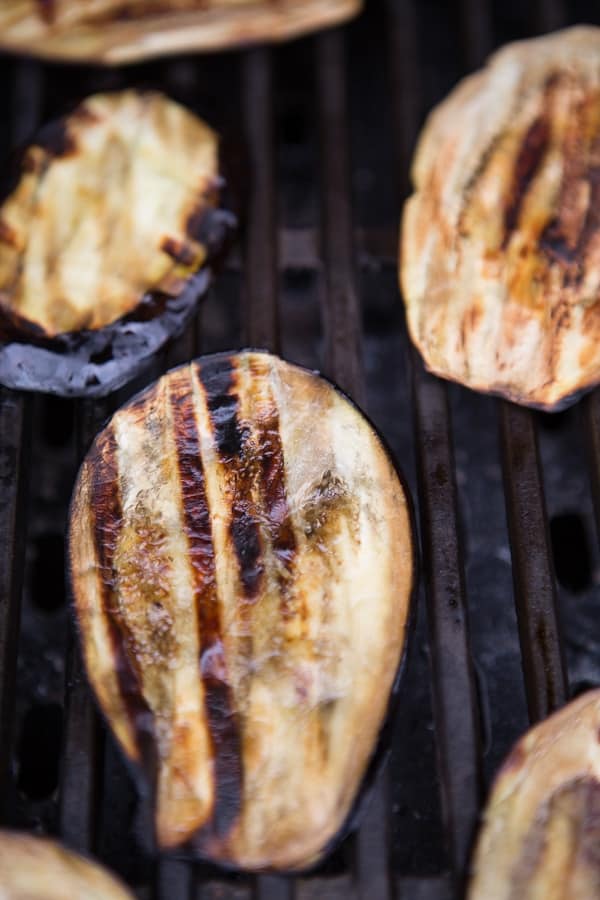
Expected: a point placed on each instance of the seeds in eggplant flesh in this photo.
(118, 31)
(111, 205)
(33, 868)
(242, 563)
(541, 829)
(500, 241)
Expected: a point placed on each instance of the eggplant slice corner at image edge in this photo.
(541, 826)
(259, 490)
(109, 234)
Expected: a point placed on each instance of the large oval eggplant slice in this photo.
(500, 241)
(106, 241)
(120, 31)
(33, 868)
(241, 559)
(541, 830)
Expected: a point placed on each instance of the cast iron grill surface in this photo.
(508, 500)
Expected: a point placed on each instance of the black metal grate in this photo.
(328, 126)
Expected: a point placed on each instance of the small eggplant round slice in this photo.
(107, 236)
(500, 251)
(33, 868)
(241, 557)
(541, 832)
(121, 31)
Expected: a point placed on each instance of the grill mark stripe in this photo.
(529, 158)
(107, 517)
(222, 720)
(218, 378)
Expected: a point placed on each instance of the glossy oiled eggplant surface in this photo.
(500, 242)
(541, 832)
(33, 868)
(242, 563)
(105, 241)
(118, 31)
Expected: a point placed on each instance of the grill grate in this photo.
(319, 285)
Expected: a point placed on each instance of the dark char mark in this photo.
(107, 517)
(528, 161)
(55, 139)
(218, 376)
(222, 720)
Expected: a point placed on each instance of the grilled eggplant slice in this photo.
(33, 868)
(112, 223)
(541, 830)
(500, 241)
(242, 563)
(120, 31)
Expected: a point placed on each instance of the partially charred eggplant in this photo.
(541, 830)
(241, 559)
(106, 242)
(33, 868)
(120, 31)
(501, 240)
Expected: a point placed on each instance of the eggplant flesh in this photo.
(107, 239)
(120, 31)
(541, 828)
(33, 868)
(500, 250)
(241, 558)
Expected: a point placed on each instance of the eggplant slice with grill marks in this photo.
(541, 831)
(33, 868)
(241, 556)
(121, 31)
(106, 242)
(500, 241)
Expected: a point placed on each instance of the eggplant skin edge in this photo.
(40, 869)
(268, 544)
(541, 825)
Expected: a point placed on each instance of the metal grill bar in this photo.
(454, 695)
(343, 356)
(15, 412)
(14, 422)
(81, 757)
(261, 283)
(591, 414)
(535, 591)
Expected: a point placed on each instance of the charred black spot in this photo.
(178, 251)
(223, 724)
(218, 377)
(528, 161)
(55, 139)
(272, 470)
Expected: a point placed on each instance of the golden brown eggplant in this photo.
(241, 560)
(541, 829)
(500, 241)
(33, 868)
(119, 31)
(112, 223)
